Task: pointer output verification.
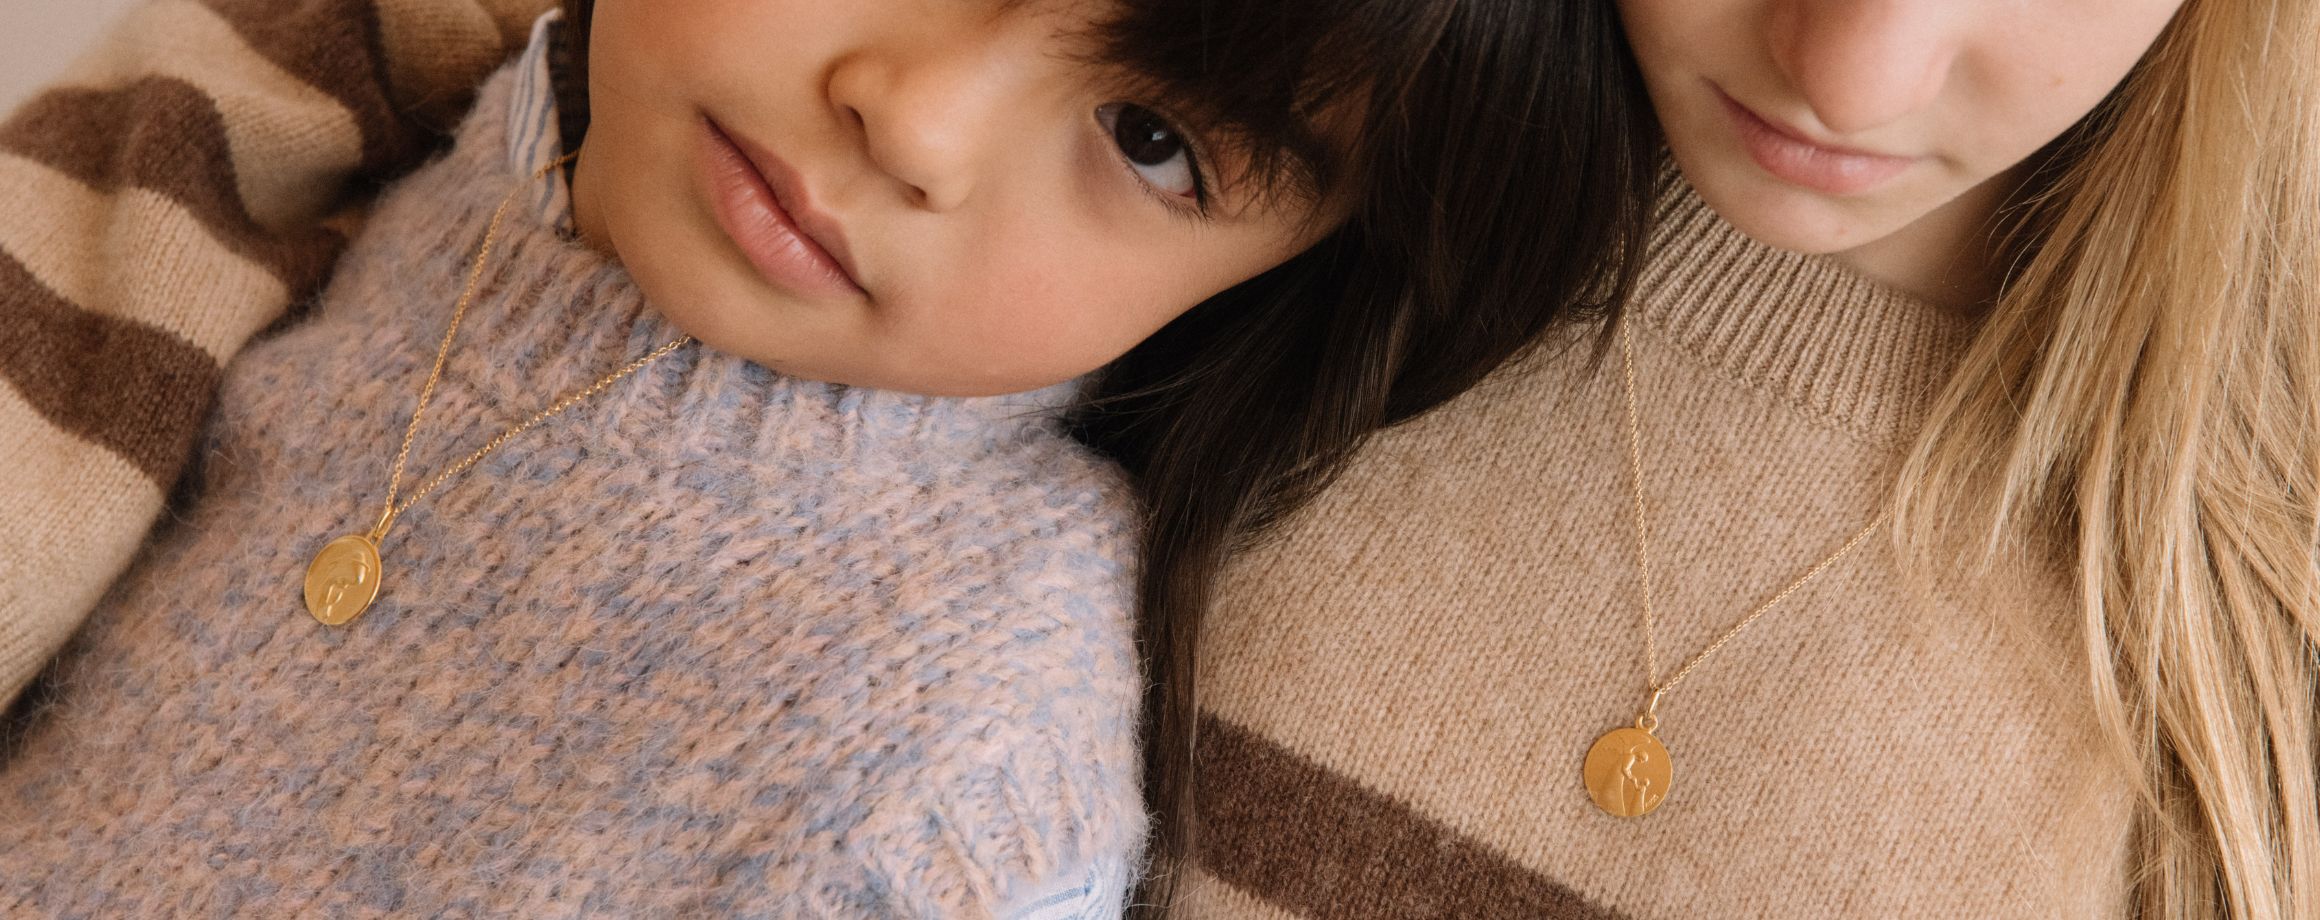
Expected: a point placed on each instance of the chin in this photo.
(1786, 217)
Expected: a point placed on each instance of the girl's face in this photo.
(1825, 125)
(935, 196)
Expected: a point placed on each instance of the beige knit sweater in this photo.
(1399, 690)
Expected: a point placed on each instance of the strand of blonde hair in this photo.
(2151, 383)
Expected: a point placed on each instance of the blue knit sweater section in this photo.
(717, 642)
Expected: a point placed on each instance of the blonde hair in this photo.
(2145, 396)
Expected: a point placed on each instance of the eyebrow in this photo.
(1280, 151)
(1292, 165)
(1297, 162)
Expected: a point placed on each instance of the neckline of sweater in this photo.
(547, 299)
(1865, 357)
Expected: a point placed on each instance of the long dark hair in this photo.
(1502, 168)
(1504, 171)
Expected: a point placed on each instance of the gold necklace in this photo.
(1628, 772)
(345, 576)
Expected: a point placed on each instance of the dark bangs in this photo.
(1499, 175)
(1264, 79)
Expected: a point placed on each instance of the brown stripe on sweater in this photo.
(1320, 845)
(335, 46)
(165, 135)
(129, 388)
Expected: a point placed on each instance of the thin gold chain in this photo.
(1642, 539)
(1643, 550)
(442, 354)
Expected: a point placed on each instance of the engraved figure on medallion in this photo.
(1628, 772)
(343, 577)
(343, 580)
(1636, 790)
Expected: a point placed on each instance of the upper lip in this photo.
(1801, 137)
(789, 190)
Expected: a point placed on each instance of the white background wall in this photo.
(39, 37)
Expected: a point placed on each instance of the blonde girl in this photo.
(2015, 300)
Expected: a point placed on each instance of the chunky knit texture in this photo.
(176, 191)
(1398, 688)
(1398, 691)
(717, 642)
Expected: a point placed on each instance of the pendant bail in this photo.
(1648, 719)
(378, 532)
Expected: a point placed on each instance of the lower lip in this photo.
(1821, 169)
(752, 216)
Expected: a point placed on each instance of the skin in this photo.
(999, 238)
(1965, 90)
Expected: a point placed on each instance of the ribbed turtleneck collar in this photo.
(1871, 358)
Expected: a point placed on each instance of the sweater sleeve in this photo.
(980, 756)
(185, 183)
(1098, 891)
(1014, 835)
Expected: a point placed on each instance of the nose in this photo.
(1864, 63)
(930, 112)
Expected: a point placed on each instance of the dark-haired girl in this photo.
(666, 509)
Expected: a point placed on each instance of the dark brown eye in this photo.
(1147, 140)
(1152, 147)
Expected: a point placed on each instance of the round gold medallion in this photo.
(1628, 772)
(343, 579)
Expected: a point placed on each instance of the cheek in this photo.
(1039, 309)
(1685, 35)
(1067, 310)
(2047, 75)
(2016, 89)
(734, 52)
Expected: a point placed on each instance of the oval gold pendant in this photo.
(1628, 772)
(343, 579)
